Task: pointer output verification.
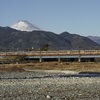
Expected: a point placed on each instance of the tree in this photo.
(45, 47)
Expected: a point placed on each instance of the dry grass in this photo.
(72, 66)
(10, 68)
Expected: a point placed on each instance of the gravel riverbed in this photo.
(39, 86)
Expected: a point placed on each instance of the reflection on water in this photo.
(83, 74)
(35, 75)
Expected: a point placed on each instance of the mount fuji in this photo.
(27, 38)
(24, 25)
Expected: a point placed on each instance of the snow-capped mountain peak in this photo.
(24, 25)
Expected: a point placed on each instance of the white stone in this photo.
(48, 97)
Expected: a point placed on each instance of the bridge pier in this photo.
(59, 60)
(79, 59)
(40, 59)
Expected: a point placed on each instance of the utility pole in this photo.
(40, 59)
(79, 55)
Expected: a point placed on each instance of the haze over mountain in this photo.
(24, 25)
(95, 38)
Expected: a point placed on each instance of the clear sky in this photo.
(75, 16)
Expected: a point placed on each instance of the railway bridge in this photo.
(61, 55)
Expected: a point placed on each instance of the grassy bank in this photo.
(72, 66)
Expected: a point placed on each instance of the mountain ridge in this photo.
(11, 40)
(79, 41)
(95, 38)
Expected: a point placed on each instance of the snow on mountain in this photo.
(23, 25)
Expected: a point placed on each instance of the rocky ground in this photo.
(47, 86)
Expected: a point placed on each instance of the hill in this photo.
(14, 39)
(79, 42)
(11, 40)
(95, 38)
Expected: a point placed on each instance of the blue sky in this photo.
(75, 16)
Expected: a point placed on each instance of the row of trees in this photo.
(44, 47)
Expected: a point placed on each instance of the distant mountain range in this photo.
(80, 42)
(95, 38)
(12, 39)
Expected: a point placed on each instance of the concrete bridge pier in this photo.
(59, 60)
(40, 59)
(79, 59)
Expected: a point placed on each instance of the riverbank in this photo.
(69, 66)
(53, 81)
(73, 88)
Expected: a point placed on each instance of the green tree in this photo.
(45, 47)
